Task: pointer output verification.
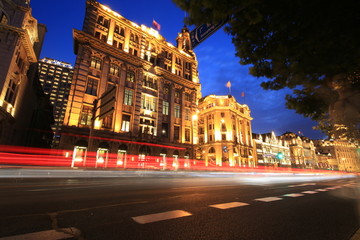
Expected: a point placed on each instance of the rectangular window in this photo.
(187, 114)
(176, 133)
(114, 69)
(148, 103)
(187, 134)
(165, 108)
(95, 63)
(177, 111)
(11, 92)
(91, 87)
(125, 126)
(128, 97)
(223, 137)
(164, 129)
(130, 76)
(86, 115)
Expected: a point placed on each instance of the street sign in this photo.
(107, 102)
(204, 31)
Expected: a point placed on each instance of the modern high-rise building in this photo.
(136, 89)
(55, 78)
(224, 132)
(25, 111)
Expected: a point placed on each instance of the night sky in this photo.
(216, 56)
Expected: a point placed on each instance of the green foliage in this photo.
(311, 47)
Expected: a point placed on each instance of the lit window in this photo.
(187, 134)
(187, 114)
(177, 111)
(114, 69)
(95, 63)
(107, 121)
(148, 102)
(128, 97)
(11, 92)
(130, 76)
(165, 108)
(86, 115)
(3, 19)
(125, 126)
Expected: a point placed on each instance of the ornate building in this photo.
(344, 155)
(302, 150)
(25, 111)
(271, 150)
(55, 78)
(152, 88)
(224, 132)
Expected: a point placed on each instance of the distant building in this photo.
(224, 132)
(55, 78)
(151, 89)
(271, 150)
(25, 111)
(346, 153)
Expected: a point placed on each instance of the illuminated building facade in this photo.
(224, 132)
(271, 150)
(302, 150)
(345, 153)
(55, 78)
(156, 88)
(25, 112)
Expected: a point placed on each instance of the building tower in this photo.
(224, 132)
(55, 78)
(153, 85)
(25, 112)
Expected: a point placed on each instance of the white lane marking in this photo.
(301, 185)
(229, 205)
(309, 192)
(205, 186)
(294, 195)
(48, 235)
(330, 188)
(161, 216)
(321, 190)
(268, 199)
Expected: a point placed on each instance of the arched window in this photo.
(3, 18)
(212, 150)
(95, 63)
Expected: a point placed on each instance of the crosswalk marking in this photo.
(229, 205)
(321, 190)
(309, 192)
(161, 216)
(268, 199)
(294, 195)
(62, 233)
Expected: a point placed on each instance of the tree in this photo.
(311, 47)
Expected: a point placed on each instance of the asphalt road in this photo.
(180, 207)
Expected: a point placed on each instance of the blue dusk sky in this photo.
(216, 56)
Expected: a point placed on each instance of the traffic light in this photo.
(280, 155)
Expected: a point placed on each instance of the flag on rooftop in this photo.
(228, 84)
(156, 25)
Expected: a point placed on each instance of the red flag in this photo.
(228, 84)
(242, 94)
(156, 25)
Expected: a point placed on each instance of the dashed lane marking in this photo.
(321, 190)
(309, 192)
(303, 184)
(161, 216)
(268, 199)
(229, 205)
(294, 195)
(48, 235)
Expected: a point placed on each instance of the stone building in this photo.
(55, 78)
(302, 150)
(25, 111)
(150, 85)
(344, 155)
(224, 132)
(271, 150)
